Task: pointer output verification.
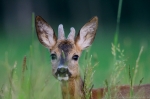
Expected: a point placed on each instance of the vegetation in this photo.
(25, 72)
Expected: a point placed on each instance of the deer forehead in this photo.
(67, 46)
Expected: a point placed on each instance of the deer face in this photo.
(64, 52)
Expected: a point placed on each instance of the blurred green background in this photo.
(16, 31)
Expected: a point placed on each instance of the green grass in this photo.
(25, 70)
(29, 79)
(36, 81)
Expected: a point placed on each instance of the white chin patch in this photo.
(63, 78)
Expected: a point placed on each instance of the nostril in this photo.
(62, 70)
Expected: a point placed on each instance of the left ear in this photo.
(87, 34)
(45, 33)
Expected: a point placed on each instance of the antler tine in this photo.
(71, 34)
(61, 34)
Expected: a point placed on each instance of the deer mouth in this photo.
(63, 74)
(62, 78)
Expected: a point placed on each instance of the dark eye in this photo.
(75, 57)
(53, 56)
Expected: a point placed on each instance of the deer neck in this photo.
(73, 88)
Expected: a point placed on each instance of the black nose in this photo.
(62, 70)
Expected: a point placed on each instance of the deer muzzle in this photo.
(63, 73)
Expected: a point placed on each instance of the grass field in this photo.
(36, 81)
(25, 70)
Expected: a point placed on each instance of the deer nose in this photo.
(62, 70)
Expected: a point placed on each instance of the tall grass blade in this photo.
(118, 22)
(24, 67)
(137, 64)
(131, 83)
(33, 26)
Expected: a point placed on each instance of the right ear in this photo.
(45, 33)
(87, 34)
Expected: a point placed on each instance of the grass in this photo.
(32, 81)
(88, 76)
(30, 77)
(26, 72)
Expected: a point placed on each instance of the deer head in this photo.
(65, 52)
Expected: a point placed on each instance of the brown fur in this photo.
(118, 92)
(66, 46)
(73, 89)
(123, 92)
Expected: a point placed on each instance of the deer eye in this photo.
(75, 57)
(53, 56)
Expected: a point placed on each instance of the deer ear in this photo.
(87, 33)
(45, 33)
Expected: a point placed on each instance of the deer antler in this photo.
(61, 35)
(71, 34)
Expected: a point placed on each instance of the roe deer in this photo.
(65, 54)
